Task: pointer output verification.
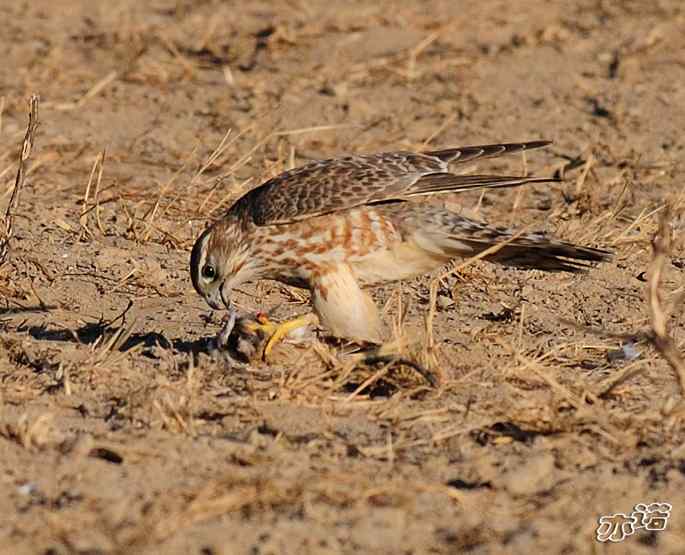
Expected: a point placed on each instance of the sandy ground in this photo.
(120, 433)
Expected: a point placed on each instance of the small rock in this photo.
(27, 489)
(626, 352)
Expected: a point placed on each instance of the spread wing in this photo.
(338, 184)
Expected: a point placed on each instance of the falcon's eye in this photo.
(208, 271)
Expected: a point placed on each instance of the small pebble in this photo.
(626, 352)
(27, 489)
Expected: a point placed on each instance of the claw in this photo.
(387, 354)
(372, 358)
(276, 332)
(282, 330)
(263, 318)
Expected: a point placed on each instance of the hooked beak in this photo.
(220, 298)
(215, 299)
(225, 296)
(212, 302)
(225, 332)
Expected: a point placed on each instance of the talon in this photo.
(418, 368)
(283, 329)
(258, 328)
(259, 323)
(387, 353)
(262, 318)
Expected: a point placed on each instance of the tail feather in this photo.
(451, 183)
(456, 236)
(461, 155)
(550, 255)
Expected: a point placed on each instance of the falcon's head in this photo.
(219, 262)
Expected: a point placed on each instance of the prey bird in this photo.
(339, 226)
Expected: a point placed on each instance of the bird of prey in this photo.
(338, 226)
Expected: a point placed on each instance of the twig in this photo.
(97, 190)
(98, 167)
(26, 147)
(607, 386)
(663, 342)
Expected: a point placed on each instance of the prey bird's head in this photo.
(221, 261)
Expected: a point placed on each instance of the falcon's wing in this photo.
(338, 184)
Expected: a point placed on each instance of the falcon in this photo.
(337, 227)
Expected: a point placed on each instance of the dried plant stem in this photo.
(26, 147)
(98, 167)
(101, 167)
(663, 342)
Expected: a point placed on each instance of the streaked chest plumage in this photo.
(298, 250)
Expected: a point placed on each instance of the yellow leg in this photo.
(278, 332)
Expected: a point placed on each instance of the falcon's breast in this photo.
(377, 243)
(304, 250)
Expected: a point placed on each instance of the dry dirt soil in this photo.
(120, 430)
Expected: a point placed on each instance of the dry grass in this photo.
(664, 343)
(24, 154)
